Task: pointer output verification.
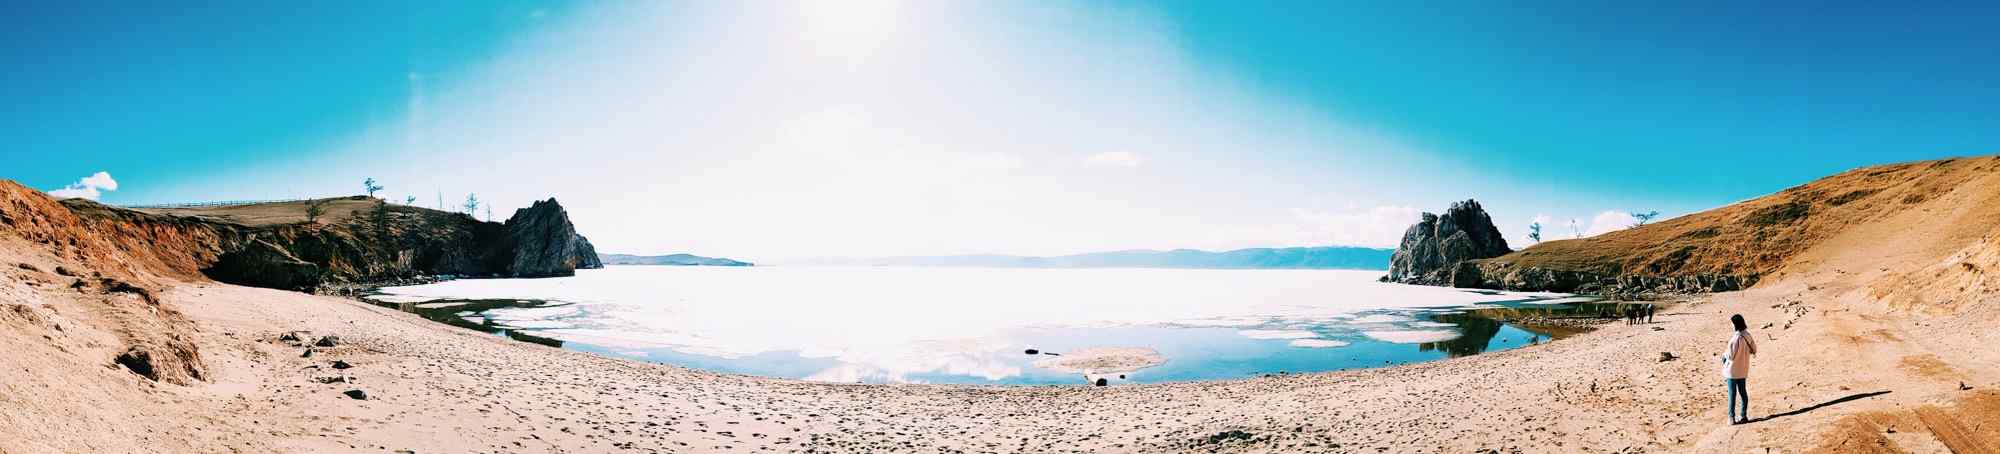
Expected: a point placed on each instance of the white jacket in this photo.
(1736, 360)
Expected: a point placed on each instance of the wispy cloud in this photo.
(89, 187)
(1115, 159)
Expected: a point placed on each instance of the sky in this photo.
(792, 130)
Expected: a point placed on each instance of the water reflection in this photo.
(1475, 332)
(1553, 321)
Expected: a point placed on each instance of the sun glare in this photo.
(850, 29)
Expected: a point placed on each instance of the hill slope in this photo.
(1907, 216)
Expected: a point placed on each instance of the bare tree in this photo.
(315, 208)
(370, 185)
(471, 204)
(489, 212)
(1535, 231)
(1639, 219)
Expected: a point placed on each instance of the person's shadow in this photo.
(1820, 405)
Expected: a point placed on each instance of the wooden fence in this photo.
(224, 203)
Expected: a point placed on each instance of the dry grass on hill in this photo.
(338, 210)
(1948, 201)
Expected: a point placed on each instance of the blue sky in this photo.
(882, 128)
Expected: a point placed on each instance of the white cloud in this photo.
(89, 187)
(1115, 159)
(1609, 221)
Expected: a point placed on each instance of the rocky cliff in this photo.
(1436, 249)
(357, 241)
(544, 243)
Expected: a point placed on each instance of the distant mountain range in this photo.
(1354, 258)
(670, 259)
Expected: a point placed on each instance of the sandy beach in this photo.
(436, 388)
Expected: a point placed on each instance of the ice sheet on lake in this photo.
(872, 317)
(1317, 343)
(1380, 318)
(1277, 334)
(534, 313)
(1226, 322)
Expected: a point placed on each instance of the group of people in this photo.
(1639, 314)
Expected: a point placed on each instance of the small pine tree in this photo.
(1535, 231)
(471, 204)
(1574, 229)
(315, 208)
(410, 200)
(369, 184)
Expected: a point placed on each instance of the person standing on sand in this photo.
(1736, 367)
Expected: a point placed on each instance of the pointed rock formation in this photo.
(1438, 248)
(546, 244)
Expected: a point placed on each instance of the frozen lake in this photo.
(974, 325)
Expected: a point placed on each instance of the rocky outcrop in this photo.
(587, 257)
(1499, 274)
(1438, 249)
(259, 263)
(544, 243)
